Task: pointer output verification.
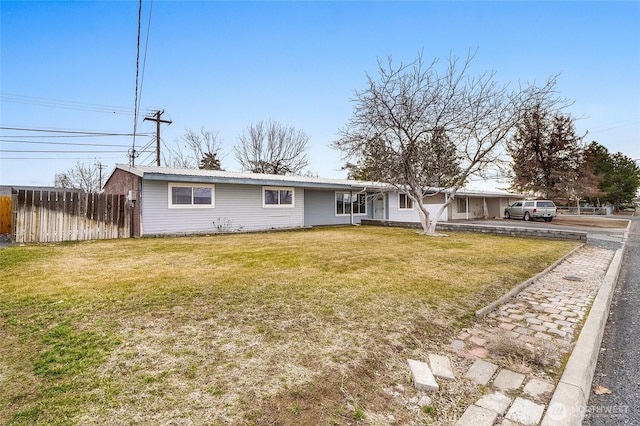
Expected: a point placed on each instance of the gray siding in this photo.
(237, 208)
(320, 209)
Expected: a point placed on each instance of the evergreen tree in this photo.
(546, 155)
(210, 161)
(621, 180)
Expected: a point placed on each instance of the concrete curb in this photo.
(517, 289)
(569, 401)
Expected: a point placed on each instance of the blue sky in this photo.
(226, 65)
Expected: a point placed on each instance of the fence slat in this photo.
(53, 216)
(5, 215)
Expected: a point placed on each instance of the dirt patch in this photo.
(596, 222)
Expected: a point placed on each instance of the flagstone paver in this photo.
(550, 308)
(496, 401)
(536, 387)
(481, 371)
(477, 416)
(507, 380)
(422, 376)
(525, 411)
(545, 314)
(441, 367)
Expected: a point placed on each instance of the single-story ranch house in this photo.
(171, 201)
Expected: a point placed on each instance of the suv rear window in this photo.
(546, 204)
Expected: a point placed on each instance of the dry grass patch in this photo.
(594, 221)
(308, 327)
(523, 355)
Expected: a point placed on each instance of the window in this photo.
(181, 195)
(405, 202)
(462, 205)
(347, 202)
(546, 204)
(277, 197)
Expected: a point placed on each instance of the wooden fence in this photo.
(54, 216)
(5, 214)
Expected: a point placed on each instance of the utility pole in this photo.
(100, 166)
(158, 120)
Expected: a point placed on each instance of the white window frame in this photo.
(279, 189)
(172, 185)
(408, 201)
(350, 194)
(466, 205)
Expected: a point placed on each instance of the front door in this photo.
(378, 207)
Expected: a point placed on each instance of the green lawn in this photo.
(306, 327)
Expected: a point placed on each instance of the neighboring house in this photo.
(171, 201)
(6, 190)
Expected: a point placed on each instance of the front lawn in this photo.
(305, 327)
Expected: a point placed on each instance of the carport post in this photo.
(467, 207)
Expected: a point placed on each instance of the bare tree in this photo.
(196, 150)
(426, 131)
(82, 177)
(272, 148)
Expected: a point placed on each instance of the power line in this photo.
(58, 158)
(72, 132)
(60, 152)
(614, 125)
(62, 143)
(70, 136)
(64, 104)
(144, 60)
(135, 102)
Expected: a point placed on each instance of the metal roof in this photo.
(221, 176)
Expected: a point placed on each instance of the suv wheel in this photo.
(527, 217)
(507, 215)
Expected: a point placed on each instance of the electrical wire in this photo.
(58, 158)
(135, 102)
(63, 143)
(66, 131)
(64, 104)
(144, 60)
(614, 125)
(70, 136)
(60, 152)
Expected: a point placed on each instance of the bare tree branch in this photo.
(426, 130)
(272, 148)
(83, 177)
(192, 148)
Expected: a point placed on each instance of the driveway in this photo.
(596, 235)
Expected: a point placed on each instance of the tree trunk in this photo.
(424, 219)
(432, 227)
(434, 222)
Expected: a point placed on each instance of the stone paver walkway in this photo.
(538, 324)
